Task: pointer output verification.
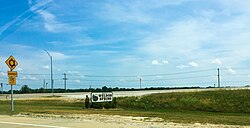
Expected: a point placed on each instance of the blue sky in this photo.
(126, 38)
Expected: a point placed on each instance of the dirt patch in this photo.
(128, 121)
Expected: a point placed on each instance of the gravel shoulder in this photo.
(104, 121)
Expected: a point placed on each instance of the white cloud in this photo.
(165, 62)
(231, 70)
(158, 76)
(193, 64)
(155, 62)
(50, 22)
(39, 5)
(45, 67)
(217, 61)
(193, 37)
(56, 55)
(134, 11)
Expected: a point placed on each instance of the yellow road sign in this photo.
(12, 80)
(11, 62)
(12, 74)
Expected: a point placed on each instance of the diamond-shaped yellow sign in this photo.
(11, 62)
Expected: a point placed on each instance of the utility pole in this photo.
(140, 83)
(2, 88)
(218, 78)
(65, 81)
(43, 84)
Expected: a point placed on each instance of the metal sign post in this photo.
(12, 99)
(12, 63)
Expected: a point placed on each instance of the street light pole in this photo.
(51, 73)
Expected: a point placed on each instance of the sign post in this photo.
(12, 63)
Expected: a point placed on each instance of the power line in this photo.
(166, 74)
(180, 78)
(122, 80)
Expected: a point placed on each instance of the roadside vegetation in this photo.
(236, 101)
(216, 107)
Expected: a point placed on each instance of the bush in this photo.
(106, 105)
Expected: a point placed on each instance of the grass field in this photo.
(217, 107)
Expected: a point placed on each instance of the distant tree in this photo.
(25, 89)
(105, 88)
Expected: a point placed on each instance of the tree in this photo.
(25, 89)
(104, 88)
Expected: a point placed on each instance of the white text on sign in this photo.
(102, 97)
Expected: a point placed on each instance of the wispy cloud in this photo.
(217, 61)
(45, 67)
(39, 5)
(134, 11)
(57, 55)
(157, 62)
(50, 24)
(193, 64)
(230, 70)
(50, 20)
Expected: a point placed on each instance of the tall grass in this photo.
(230, 101)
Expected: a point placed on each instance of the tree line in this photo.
(26, 89)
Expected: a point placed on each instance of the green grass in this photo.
(217, 107)
(236, 101)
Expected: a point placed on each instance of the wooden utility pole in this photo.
(140, 83)
(218, 78)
